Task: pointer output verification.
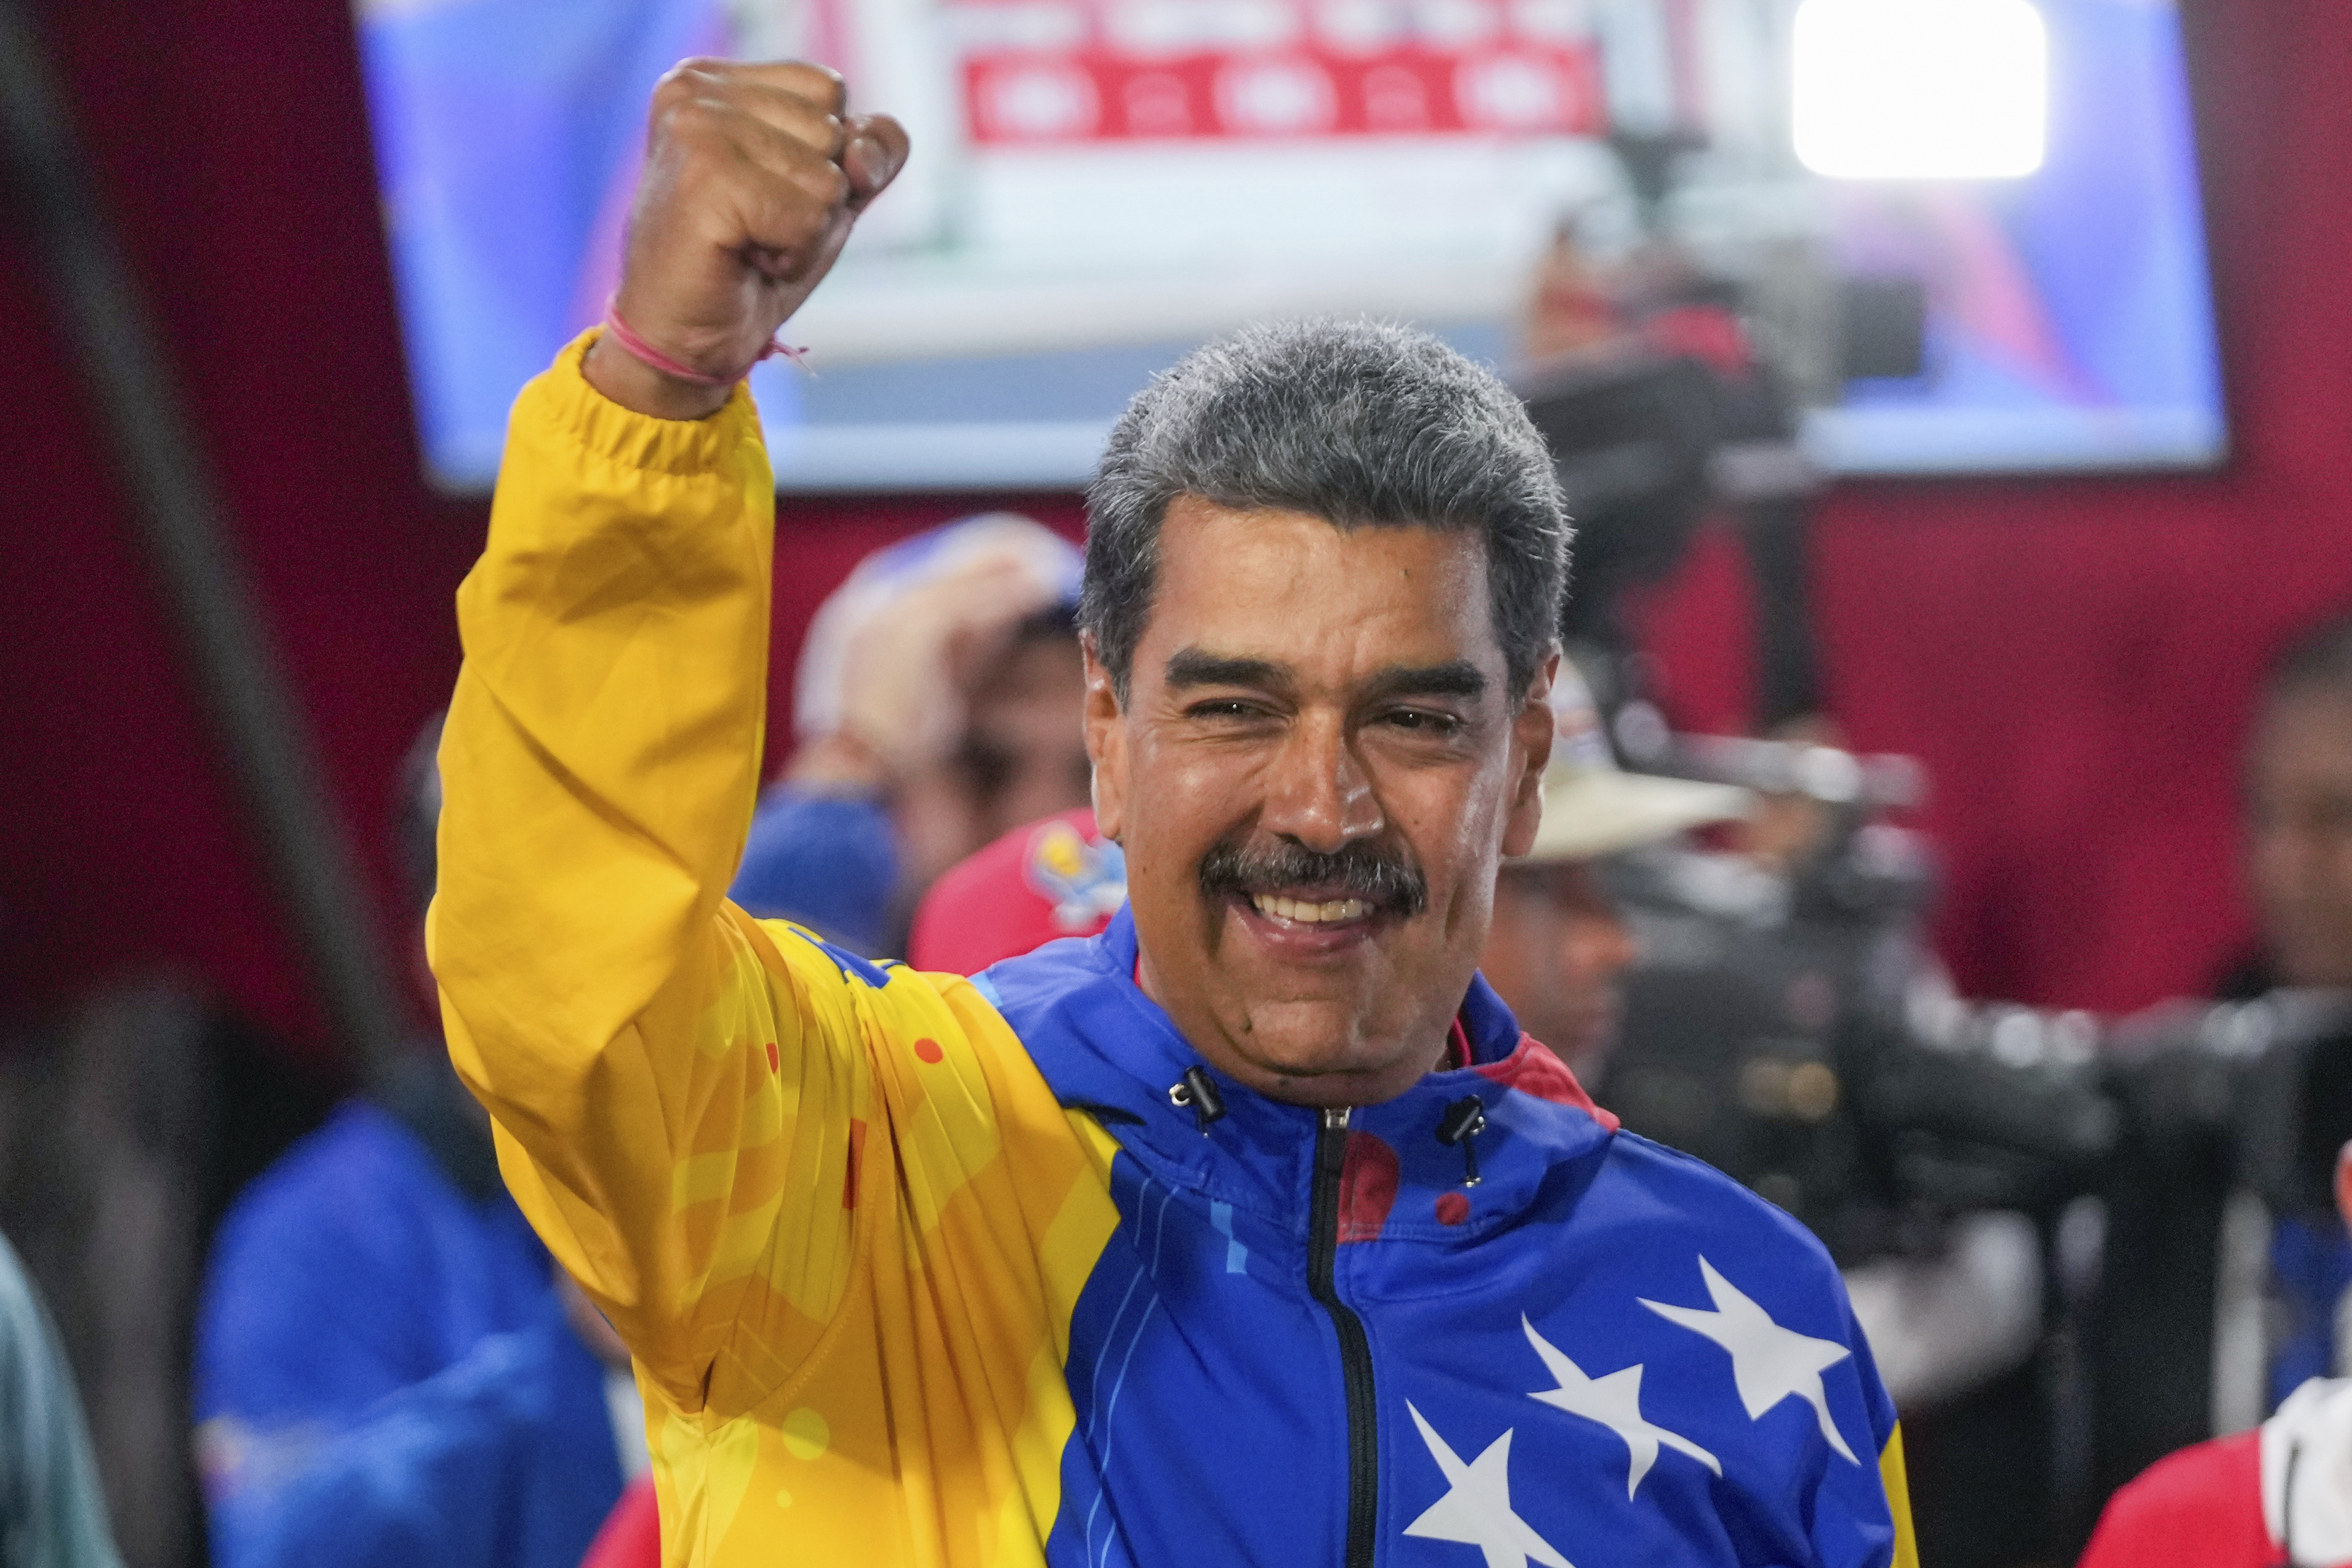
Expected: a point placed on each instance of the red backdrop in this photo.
(2071, 660)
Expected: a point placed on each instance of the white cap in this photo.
(1591, 808)
(881, 582)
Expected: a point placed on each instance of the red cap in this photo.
(1053, 878)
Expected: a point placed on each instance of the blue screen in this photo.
(1100, 185)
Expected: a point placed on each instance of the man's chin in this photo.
(1308, 1054)
(1327, 1089)
(1312, 1017)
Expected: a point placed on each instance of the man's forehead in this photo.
(1291, 589)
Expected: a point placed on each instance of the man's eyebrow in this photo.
(1456, 678)
(1191, 667)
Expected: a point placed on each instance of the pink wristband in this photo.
(627, 336)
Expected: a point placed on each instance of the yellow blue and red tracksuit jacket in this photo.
(919, 1269)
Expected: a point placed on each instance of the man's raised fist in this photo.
(753, 175)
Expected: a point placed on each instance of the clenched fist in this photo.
(753, 175)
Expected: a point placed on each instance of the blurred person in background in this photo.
(52, 1514)
(377, 1316)
(2299, 870)
(2299, 815)
(2227, 1267)
(1559, 944)
(936, 702)
(507, 1459)
(1940, 1323)
(2277, 1496)
(1058, 878)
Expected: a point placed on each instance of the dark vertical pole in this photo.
(1788, 671)
(177, 509)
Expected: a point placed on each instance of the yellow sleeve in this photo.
(1898, 1482)
(666, 1077)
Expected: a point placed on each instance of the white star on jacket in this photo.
(1616, 1402)
(1477, 1508)
(1769, 1362)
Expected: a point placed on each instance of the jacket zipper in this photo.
(1355, 1350)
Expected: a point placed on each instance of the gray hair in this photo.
(1355, 422)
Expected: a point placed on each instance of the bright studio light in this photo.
(1921, 89)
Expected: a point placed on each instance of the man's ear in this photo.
(1106, 742)
(1531, 738)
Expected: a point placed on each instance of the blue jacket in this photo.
(506, 1460)
(354, 1269)
(1311, 1341)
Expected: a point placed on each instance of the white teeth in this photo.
(1276, 906)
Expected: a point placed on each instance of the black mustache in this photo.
(1380, 877)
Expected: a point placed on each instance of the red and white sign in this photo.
(1047, 71)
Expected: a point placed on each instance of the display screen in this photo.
(1099, 185)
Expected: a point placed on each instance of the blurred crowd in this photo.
(388, 1369)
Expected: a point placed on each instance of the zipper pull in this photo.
(1331, 1143)
(1464, 1120)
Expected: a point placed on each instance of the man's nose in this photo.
(1319, 794)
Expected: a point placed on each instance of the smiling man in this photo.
(1251, 1230)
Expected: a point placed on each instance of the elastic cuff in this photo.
(624, 436)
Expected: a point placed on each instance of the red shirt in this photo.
(632, 1534)
(2200, 1507)
(1053, 878)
